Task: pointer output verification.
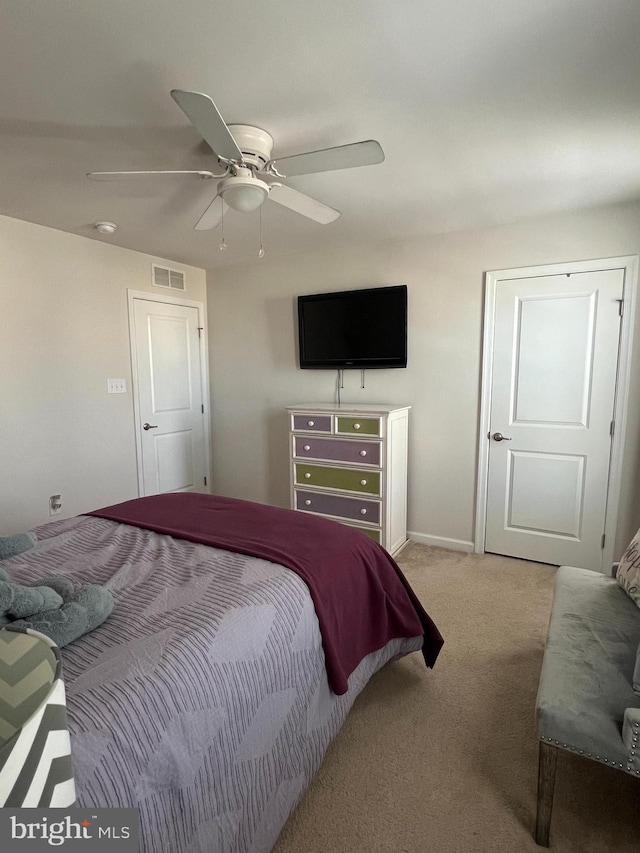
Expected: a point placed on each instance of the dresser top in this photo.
(373, 408)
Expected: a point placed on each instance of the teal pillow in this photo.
(10, 546)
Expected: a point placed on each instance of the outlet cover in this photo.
(116, 386)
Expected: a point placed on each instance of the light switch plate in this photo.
(116, 386)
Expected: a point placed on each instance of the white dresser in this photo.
(349, 463)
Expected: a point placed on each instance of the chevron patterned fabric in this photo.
(35, 751)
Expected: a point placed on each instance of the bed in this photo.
(209, 697)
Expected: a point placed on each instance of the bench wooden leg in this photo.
(546, 781)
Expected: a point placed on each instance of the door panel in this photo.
(174, 462)
(533, 506)
(553, 365)
(169, 389)
(553, 389)
(169, 360)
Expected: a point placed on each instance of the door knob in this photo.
(498, 436)
(149, 426)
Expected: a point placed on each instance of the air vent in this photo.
(165, 277)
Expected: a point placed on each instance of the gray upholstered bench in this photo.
(586, 702)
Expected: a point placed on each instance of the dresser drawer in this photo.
(327, 504)
(312, 423)
(371, 532)
(345, 479)
(338, 450)
(358, 426)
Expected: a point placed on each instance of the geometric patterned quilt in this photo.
(203, 700)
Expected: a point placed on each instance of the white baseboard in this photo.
(441, 542)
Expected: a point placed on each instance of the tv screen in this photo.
(354, 328)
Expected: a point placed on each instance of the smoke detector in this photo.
(105, 227)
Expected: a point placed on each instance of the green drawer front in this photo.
(359, 426)
(339, 478)
(372, 534)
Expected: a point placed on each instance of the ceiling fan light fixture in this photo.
(245, 154)
(243, 194)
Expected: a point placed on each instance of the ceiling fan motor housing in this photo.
(255, 143)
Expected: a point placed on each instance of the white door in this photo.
(553, 389)
(170, 410)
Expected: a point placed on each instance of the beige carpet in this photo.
(445, 760)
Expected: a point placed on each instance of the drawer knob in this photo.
(311, 423)
(363, 482)
(307, 475)
(356, 426)
(363, 512)
(307, 502)
(363, 453)
(306, 447)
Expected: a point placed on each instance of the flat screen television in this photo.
(354, 328)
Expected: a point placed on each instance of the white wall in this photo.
(252, 339)
(64, 321)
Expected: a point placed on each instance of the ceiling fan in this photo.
(250, 175)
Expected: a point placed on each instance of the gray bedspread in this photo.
(203, 700)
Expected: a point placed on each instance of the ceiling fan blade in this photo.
(366, 153)
(212, 215)
(304, 204)
(124, 176)
(204, 116)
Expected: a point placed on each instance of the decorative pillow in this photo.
(10, 546)
(628, 574)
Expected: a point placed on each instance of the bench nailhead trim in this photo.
(629, 765)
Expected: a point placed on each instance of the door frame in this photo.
(204, 375)
(627, 263)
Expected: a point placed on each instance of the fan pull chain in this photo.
(261, 249)
(223, 244)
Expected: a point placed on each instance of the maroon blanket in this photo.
(361, 597)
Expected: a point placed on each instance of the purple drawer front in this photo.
(340, 507)
(338, 450)
(313, 423)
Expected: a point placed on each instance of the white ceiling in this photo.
(488, 111)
